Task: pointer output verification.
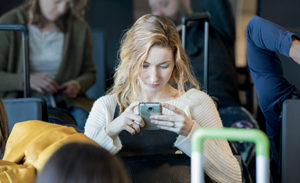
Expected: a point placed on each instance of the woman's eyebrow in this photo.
(165, 62)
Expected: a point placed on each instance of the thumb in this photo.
(63, 85)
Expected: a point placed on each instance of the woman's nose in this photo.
(157, 11)
(154, 75)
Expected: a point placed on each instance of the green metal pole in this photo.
(231, 134)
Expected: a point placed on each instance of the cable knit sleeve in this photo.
(219, 162)
(101, 114)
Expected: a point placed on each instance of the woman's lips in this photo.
(154, 85)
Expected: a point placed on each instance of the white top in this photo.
(46, 51)
(219, 162)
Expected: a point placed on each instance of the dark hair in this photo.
(3, 128)
(83, 163)
(36, 17)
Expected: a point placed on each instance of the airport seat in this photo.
(23, 109)
(290, 147)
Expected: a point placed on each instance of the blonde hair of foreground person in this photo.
(149, 31)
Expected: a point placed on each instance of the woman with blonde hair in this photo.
(60, 50)
(154, 68)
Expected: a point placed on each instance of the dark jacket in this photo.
(77, 62)
(223, 82)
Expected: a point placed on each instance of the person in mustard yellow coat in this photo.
(29, 146)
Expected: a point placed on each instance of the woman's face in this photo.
(173, 9)
(54, 9)
(157, 69)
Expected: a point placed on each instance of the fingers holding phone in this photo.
(134, 123)
(178, 122)
(70, 88)
(146, 109)
(124, 122)
(167, 122)
(43, 83)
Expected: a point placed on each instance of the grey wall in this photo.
(99, 55)
(283, 12)
(6, 5)
(112, 17)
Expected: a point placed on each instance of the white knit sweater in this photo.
(219, 162)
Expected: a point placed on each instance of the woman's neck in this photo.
(48, 25)
(166, 94)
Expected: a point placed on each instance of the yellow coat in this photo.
(29, 146)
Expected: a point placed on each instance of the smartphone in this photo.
(145, 110)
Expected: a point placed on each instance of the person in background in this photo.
(264, 40)
(83, 163)
(222, 74)
(60, 49)
(154, 68)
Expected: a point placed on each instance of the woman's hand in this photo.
(179, 122)
(70, 88)
(43, 83)
(128, 121)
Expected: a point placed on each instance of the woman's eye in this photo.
(164, 4)
(164, 66)
(145, 66)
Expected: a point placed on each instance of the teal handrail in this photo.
(232, 134)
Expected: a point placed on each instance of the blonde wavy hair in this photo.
(77, 9)
(148, 31)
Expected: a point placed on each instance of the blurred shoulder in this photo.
(197, 97)
(80, 23)
(195, 94)
(15, 16)
(104, 105)
(109, 101)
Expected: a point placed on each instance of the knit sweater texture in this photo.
(219, 162)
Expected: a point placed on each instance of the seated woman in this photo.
(154, 68)
(60, 49)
